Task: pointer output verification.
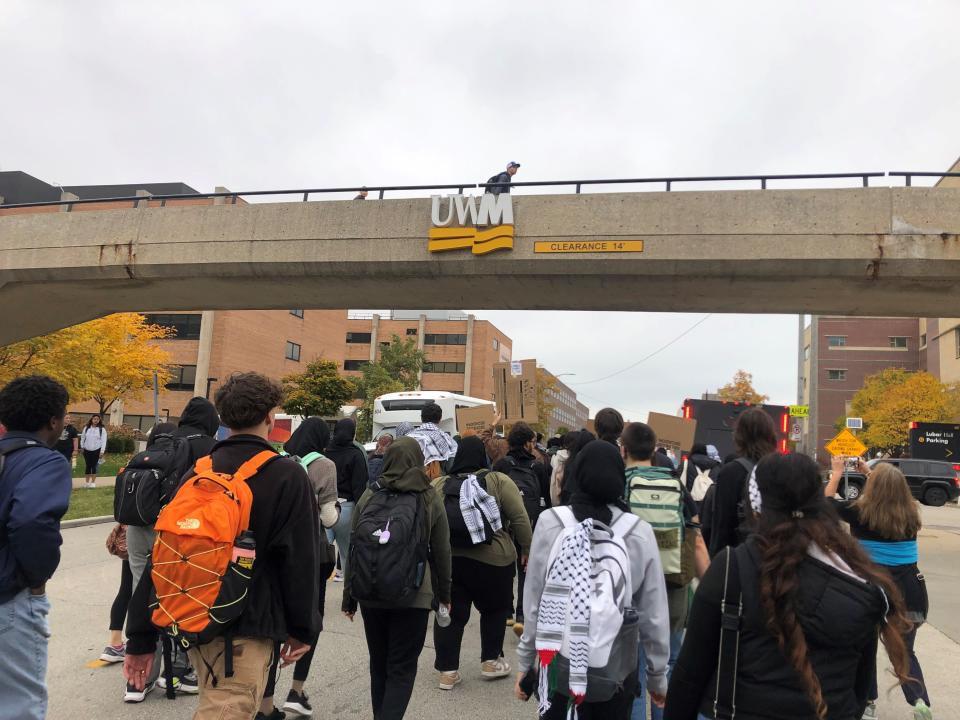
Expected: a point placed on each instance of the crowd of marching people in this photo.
(635, 582)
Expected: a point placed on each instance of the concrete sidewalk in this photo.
(85, 585)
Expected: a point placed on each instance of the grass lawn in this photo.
(109, 466)
(90, 503)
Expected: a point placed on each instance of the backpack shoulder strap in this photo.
(747, 464)
(203, 465)
(252, 466)
(624, 524)
(310, 457)
(566, 516)
(731, 615)
(13, 447)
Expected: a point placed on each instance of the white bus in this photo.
(394, 408)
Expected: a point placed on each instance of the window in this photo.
(411, 331)
(186, 325)
(444, 339)
(297, 313)
(836, 340)
(361, 338)
(898, 342)
(444, 367)
(293, 351)
(923, 340)
(354, 364)
(836, 374)
(496, 344)
(182, 377)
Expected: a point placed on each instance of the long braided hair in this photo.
(794, 515)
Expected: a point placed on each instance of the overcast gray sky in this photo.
(255, 95)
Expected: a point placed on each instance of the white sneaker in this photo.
(132, 695)
(449, 680)
(338, 576)
(921, 711)
(870, 713)
(494, 669)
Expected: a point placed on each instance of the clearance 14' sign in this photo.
(485, 224)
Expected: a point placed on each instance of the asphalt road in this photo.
(84, 587)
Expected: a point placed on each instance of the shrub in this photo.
(121, 439)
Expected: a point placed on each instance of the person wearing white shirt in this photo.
(93, 443)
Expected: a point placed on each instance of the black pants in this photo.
(302, 668)
(618, 707)
(521, 578)
(118, 611)
(912, 691)
(490, 589)
(395, 638)
(91, 458)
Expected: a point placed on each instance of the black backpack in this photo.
(528, 482)
(151, 479)
(459, 534)
(389, 572)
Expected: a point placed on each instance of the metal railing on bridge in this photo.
(577, 185)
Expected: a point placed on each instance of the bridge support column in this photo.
(374, 337)
(204, 350)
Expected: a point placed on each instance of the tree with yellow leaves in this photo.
(108, 359)
(740, 389)
(893, 398)
(546, 386)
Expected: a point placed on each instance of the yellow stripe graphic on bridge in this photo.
(479, 242)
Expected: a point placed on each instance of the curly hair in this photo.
(28, 403)
(246, 399)
(796, 514)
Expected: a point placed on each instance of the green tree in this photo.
(741, 389)
(893, 398)
(319, 390)
(546, 387)
(397, 369)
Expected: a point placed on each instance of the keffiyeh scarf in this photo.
(756, 502)
(435, 443)
(565, 610)
(475, 505)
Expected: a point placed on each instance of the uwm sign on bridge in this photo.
(485, 224)
(856, 251)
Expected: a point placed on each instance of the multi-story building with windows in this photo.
(460, 349)
(567, 411)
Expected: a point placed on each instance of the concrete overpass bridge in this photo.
(858, 251)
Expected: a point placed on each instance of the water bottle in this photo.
(245, 550)
(443, 616)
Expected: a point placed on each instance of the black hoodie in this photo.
(199, 417)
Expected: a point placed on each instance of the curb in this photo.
(82, 522)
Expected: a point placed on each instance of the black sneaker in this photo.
(298, 703)
(275, 715)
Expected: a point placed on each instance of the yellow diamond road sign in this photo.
(846, 444)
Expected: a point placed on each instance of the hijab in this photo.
(343, 433)
(403, 467)
(471, 456)
(600, 477)
(312, 436)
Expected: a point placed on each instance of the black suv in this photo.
(932, 482)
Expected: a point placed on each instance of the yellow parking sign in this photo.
(799, 411)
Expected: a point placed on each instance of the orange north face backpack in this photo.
(199, 585)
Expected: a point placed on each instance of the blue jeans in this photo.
(24, 634)
(639, 711)
(340, 533)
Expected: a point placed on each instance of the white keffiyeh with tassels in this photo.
(565, 612)
(475, 505)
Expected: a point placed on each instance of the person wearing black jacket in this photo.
(282, 601)
(352, 477)
(727, 521)
(812, 606)
(503, 178)
(519, 463)
(696, 462)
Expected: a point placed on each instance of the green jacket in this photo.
(437, 579)
(516, 524)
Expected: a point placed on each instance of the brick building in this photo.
(838, 354)
(460, 349)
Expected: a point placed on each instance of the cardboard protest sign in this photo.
(516, 394)
(675, 433)
(476, 419)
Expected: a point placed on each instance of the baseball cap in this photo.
(513, 164)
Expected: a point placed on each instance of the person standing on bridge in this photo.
(362, 195)
(501, 181)
(35, 489)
